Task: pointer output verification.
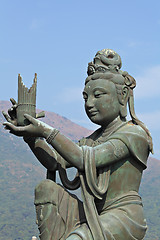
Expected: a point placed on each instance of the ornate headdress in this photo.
(105, 60)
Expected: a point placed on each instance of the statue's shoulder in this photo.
(132, 128)
(133, 134)
(136, 139)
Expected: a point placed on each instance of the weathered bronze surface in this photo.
(109, 162)
(26, 101)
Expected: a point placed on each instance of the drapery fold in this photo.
(93, 185)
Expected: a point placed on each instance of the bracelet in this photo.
(52, 135)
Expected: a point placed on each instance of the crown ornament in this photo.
(105, 60)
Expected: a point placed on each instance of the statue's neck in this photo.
(103, 133)
(111, 127)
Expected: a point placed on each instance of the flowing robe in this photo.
(111, 207)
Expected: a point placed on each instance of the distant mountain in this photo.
(20, 172)
(67, 127)
(150, 192)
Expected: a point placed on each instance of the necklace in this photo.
(105, 133)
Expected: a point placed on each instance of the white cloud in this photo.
(148, 84)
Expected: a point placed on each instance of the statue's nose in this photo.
(90, 102)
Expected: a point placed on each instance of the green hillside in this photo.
(20, 172)
(150, 192)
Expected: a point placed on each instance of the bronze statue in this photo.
(109, 162)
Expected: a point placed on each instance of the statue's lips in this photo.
(92, 113)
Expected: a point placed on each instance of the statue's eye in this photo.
(85, 97)
(99, 94)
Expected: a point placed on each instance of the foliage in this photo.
(150, 193)
(19, 174)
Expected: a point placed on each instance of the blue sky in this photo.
(57, 39)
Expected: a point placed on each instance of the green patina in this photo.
(109, 162)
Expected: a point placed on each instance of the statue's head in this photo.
(108, 90)
(107, 87)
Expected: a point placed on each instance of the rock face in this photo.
(20, 172)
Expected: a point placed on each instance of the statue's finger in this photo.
(8, 125)
(30, 118)
(18, 131)
(5, 127)
(15, 133)
(12, 112)
(13, 101)
(6, 116)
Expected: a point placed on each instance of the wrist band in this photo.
(52, 135)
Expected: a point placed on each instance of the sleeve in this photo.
(137, 144)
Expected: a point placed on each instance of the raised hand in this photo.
(11, 117)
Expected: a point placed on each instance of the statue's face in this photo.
(101, 101)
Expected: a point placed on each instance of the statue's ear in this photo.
(123, 101)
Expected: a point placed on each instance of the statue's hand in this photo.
(11, 117)
(36, 128)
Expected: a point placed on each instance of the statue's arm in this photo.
(110, 152)
(45, 154)
(105, 154)
(70, 151)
